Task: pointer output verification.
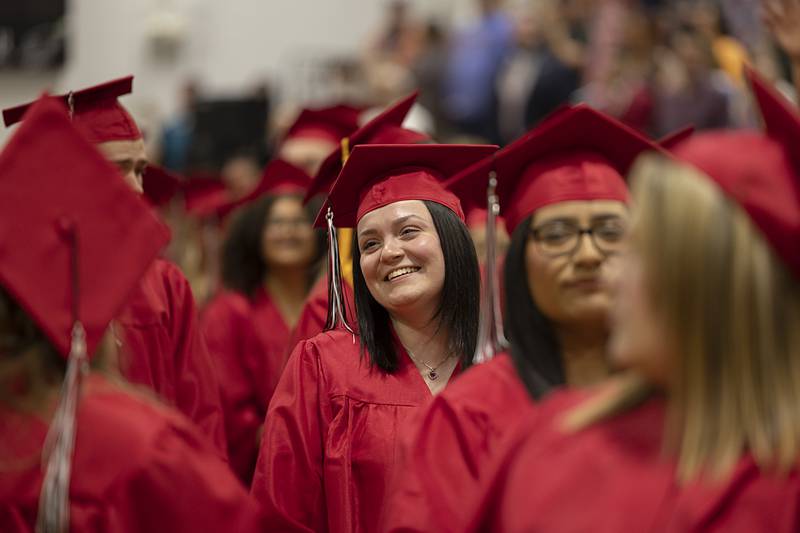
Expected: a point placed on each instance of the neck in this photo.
(420, 336)
(288, 287)
(583, 353)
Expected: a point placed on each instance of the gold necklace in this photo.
(432, 373)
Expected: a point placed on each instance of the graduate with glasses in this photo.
(701, 430)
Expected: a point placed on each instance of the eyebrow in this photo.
(573, 220)
(397, 222)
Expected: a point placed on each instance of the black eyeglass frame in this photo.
(578, 234)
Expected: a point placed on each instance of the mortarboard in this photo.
(578, 154)
(49, 209)
(377, 175)
(759, 171)
(95, 112)
(160, 186)
(279, 177)
(328, 123)
(385, 128)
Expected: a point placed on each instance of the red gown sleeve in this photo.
(227, 330)
(197, 392)
(180, 485)
(288, 478)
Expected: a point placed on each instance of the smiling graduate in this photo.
(331, 431)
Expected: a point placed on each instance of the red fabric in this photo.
(577, 153)
(81, 204)
(761, 172)
(138, 467)
(563, 178)
(613, 477)
(377, 175)
(160, 186)
(385, 128)
(278, 177)
(97, 113)
(164, 350)
(315, 311)
(755, 172)
(248, 340)
(411, 185)
(450, 445)
(328, 123)
(331, 437)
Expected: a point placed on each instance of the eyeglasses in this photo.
(559, 237)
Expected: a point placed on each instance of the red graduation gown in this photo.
(164, 350)
(331, 436)
(248, 340)
(613, 477)
(315, 311)
(449, 445)
(137, 467)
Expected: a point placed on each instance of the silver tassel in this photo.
(491, 336)
(337, 310)
(53, 515)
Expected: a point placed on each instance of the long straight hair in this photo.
(731, 308)
(534, 347)
(459, 306)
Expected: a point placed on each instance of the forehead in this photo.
(286, 204)
(581, 210)
(122, 150)
(389, 213)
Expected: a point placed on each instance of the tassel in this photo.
(53, 515)
(345, 145)
(337, 310)
(491, 336)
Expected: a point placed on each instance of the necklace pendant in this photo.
(433, 375)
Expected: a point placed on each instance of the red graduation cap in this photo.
(95, 112)
(385, 128)
(759, 171)
(328, 123)
(160, 185)
(56, 217)
(377, 175)
(673, 139)
(279, 177)
(577, 154)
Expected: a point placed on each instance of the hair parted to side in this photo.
(459, 308)
(730, 305)
(243, 265)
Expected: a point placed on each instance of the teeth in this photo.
(401, 271)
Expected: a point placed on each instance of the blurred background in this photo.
(215, 80)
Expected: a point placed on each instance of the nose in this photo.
(134, 181)
(587, 255)
(392, 251)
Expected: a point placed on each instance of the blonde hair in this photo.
(729, 304)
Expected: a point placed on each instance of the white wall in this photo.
(228, 45)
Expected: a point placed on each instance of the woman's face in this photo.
(401, 258)
(288, 237)
(569, 277)
(639, 339)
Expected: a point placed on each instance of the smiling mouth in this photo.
(394, 274)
